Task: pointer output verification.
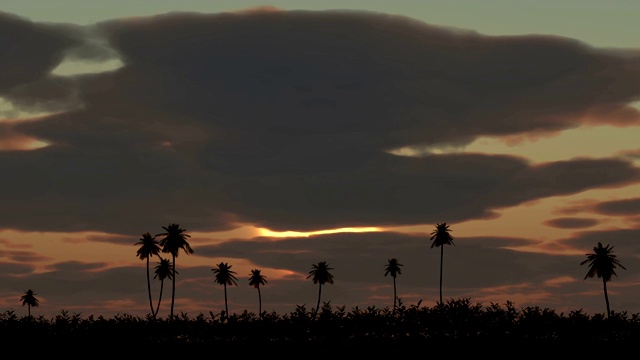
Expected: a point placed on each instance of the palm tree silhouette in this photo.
(321, 275)
(255, 280)
(441, 237)
(393, 269)
(164, 270)
(174, 239)
(602, 263)
(224, 276)
(30, 300)
(148, 247)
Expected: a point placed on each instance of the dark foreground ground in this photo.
(455, 330)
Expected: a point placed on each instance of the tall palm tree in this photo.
(321, 275)
(440, 236)
(225, 276)
(255, 280)
(393, 269)
(602, 263)
(164, 270)
(148, 247)
(174, 239)
(30, 300)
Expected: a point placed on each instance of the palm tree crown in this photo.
(393, 269)
(30, 300)
(602, 263)
(174, 239)
(225, 276)
(256, 279)
(148, 247)
(163, 270)
(320, 275)
(440, 237)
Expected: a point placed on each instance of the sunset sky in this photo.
(287, 133)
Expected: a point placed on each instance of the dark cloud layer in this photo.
(286, 120)
(31, 52)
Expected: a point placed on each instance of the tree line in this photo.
(601, 262)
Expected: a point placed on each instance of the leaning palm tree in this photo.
(164, 270)
(441, 237)
(224, 276)
(148, 247)
(321, 275)
(30, 300)
(174, 239)
(255, 280)
(393, 269)
(602, 263)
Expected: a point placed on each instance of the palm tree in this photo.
(321, 275)
(393, 269)
(148, 247)
(30, 300)
(441, 237)
(224, 276)
(164, 270)
(255, 280)
(602, 263)
(174, 239)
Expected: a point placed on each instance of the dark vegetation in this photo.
(453, 322)
(459, 326)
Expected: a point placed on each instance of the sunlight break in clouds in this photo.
(568, 144)
(77, 67)
(267, 232)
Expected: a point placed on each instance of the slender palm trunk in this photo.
(259, 302)
(394, 294)
(606, 297)
(226, 306)
(319, 295)
(149, 290)
(159, 299)
(173, 286)
(441, 259)
(29, 310)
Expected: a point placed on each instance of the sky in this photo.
(286, 133)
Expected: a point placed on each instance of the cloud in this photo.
(631, 154)
(618, 207)
(571, 223)
(22, 256)
(625, 241)
(73, 266)
(286, 120)
(25, 80)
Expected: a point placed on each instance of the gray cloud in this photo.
(73, 266)
(12, 269)
(220, 120)
(571, 223)
(618, 207)
(34, 50)
(22, 256)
